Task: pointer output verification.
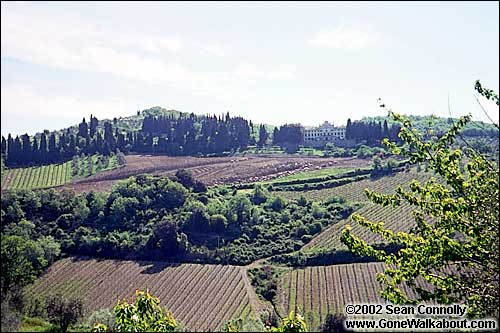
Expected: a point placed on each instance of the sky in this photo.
(271, 62)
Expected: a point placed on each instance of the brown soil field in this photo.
(213, 170)
(201, 297)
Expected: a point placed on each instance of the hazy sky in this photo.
(269, 62)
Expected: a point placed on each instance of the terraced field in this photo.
(395, 219)
(201, 297)
(37, 177)
(317, 291)
(354, 192)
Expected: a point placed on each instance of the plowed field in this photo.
(214, 170)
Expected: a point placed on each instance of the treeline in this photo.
(371, 132)
(288, 134)
(187, 135)
(183, 135)
(47, 148)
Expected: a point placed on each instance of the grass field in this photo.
(306, 175)
(201, 297)
(37, 177)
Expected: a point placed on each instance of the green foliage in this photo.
(150, 217)
(63, 311)
(485, 92)
(317, 211)
(103, 318)
(230, 327)
(265, 281)
(277, 203)
(88, 165)
(457, 257)
(10, 318)
(333, 323)
(260, 195)
(185, 178)
(145, 315)
(382, 168)
(22, 260)
(292, 323)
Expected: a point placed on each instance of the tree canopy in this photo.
(457, 256)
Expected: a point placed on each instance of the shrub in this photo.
(63, 311)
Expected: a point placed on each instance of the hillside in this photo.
(201, 297)
(318, 291)
(441, 125)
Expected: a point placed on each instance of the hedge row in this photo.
(318, 186)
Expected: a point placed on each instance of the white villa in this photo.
(316, 136)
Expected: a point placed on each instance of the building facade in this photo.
(323, 134)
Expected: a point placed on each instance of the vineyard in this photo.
(80, 167)
(395, 218)
(354, 192)
(36, 177)
(201, 297)
(317, 291)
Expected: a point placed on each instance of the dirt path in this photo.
(258, 306)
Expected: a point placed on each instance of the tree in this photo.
(63, 311)
(385, 131)
(463, 202)
(93, 125)
(43, 148)
(165, 238)
(260, 194)
(348, 129)
(83, 129)
(185, 177)
(170, 194)
(262, 136)
(334, 323)
(22, 260)
(53, 152)
(145, 315)
(292, 323)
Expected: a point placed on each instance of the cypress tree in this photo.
(83, 129)
(26, 150)
(43, 148)
(348, 129)
(53, 152)
(262, 135)
(4, 147)
(35, 153)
